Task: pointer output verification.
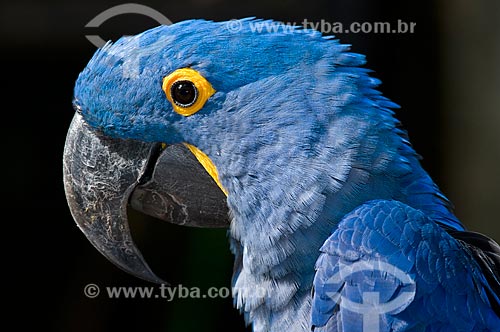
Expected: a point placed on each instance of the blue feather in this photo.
(449, 287)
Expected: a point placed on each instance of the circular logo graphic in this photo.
(371, 308)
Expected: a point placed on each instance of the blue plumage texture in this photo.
(302, 140)
(450, 292)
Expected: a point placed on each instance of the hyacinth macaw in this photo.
(282, 137)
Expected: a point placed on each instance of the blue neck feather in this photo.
(288, 257)
(286, 202)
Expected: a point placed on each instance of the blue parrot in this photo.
(282, 137)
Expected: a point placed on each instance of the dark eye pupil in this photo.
(184, 93)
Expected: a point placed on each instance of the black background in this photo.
(43, 50)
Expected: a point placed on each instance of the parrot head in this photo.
(274, 134)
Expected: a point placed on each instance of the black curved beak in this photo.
(103, 176)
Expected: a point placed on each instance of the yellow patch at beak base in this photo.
(209, 166)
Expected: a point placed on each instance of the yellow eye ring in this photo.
(187, 90)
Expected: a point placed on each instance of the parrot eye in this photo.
(187, 90)
(184, 93)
